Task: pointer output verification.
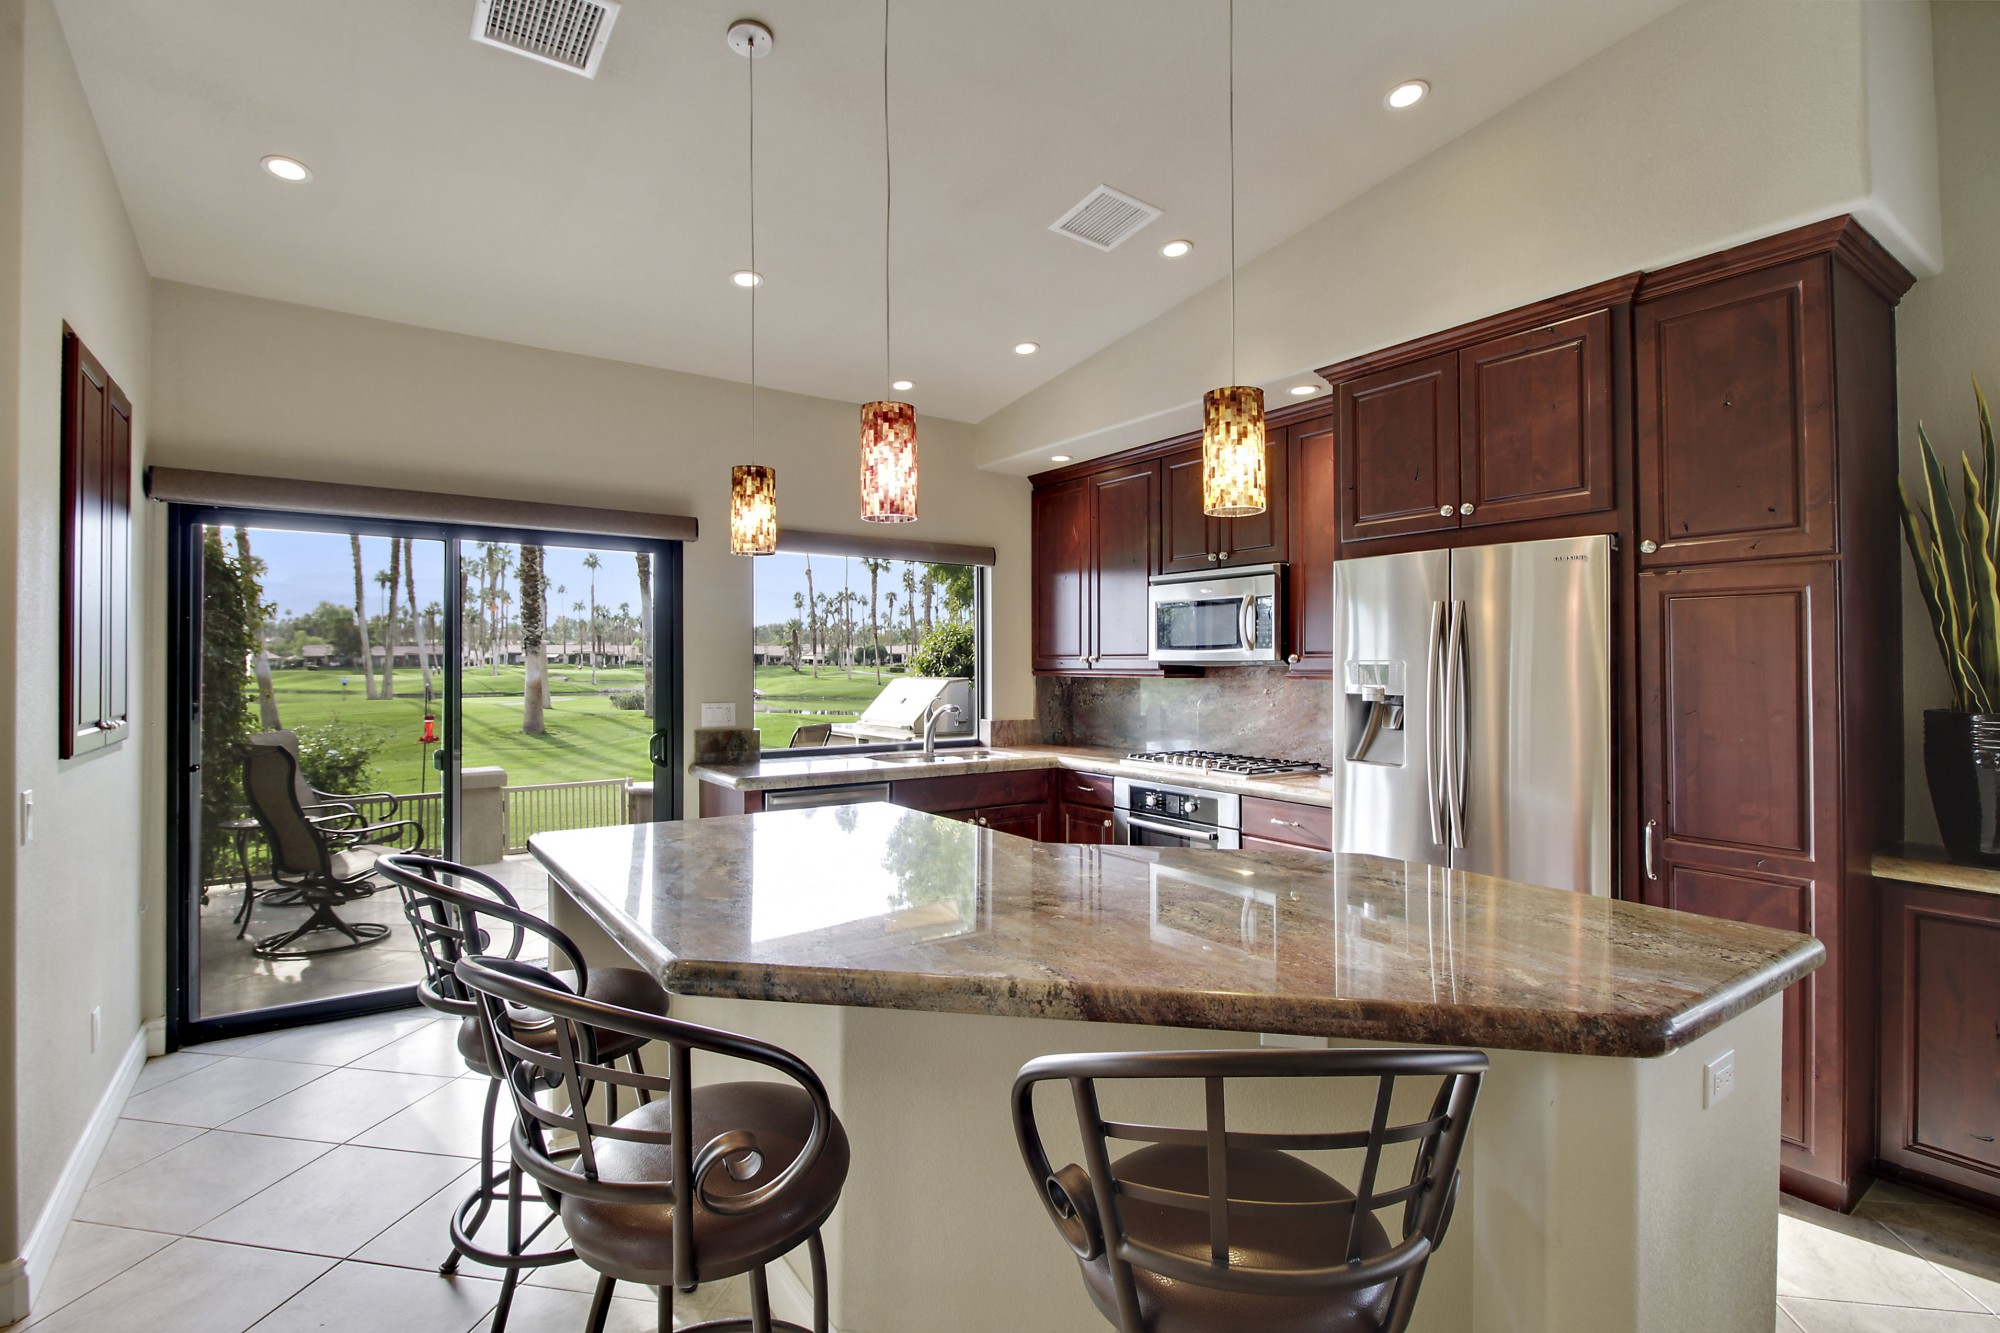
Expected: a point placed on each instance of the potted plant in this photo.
(1958, 569)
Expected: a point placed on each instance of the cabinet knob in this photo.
(1293, 658)
(1647, 548)
(1107, 823)
(1465, 508)
(1223, 555)
(979, 819)
(1444, 511)
(1211, 555)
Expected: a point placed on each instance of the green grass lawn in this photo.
(797, 698)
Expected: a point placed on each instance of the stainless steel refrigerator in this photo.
(1472, 712)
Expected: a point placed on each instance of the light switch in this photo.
(718, 715)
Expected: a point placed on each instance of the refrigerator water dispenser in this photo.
(1372, 713)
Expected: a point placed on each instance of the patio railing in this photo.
(549, 806)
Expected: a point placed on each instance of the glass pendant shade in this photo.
(1233, 482)
(888, 462)
(753, 509)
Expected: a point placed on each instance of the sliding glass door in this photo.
(340, 688)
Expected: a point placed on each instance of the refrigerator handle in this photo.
(1456, 723)
(1434, 736)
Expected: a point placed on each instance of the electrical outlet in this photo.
(1718, 1079)
(96, 1028)
(27, 816)
(718, 715)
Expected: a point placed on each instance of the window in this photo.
(836, 634)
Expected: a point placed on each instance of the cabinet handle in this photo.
(1085, 788)
(1444, 511)
(1286, 823)
(1647, 548)
(1465, 508)
(1646, 849)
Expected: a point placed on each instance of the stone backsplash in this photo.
(1261, 710)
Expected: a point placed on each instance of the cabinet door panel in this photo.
(1399, 450)
(1783, 904)
(1735, 414)
(1260, 539)
(1023, 821)
(1061, 570)
(1535, 425)
(1086, 824)
(1125, 556)
(1314, 505)
(1187, 536)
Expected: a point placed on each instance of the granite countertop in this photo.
(1916, 864)
(833, 770)
(874, 905)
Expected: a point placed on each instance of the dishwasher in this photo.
(808, 798)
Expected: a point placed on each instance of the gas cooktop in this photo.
(1212, 761)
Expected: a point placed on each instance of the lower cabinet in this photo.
(1940, 1069)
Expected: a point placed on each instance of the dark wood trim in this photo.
(884, 547)
(1842, 237)
(1597, 296)
(1274, 418)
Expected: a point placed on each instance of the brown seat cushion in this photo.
(626, 987)
(635, 1242)
(1171, 1306)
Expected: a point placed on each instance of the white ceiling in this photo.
(464, 188)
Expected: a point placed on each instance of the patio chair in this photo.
(322, 868)
(323, 807)
(811, 733)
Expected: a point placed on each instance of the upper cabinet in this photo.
(1398, 451)
(1736, 418)
(96, 559)
(1191, 540)
(1096, 542)
(1315, 494)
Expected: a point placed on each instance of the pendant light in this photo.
(888, 428)
(753, 487)
(1233, 481)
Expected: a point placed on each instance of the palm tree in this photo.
(260, 662)
(793, 629)
(361, 615)
(563, 623)
(812, 617)
(592, 563)
(875, 568)
(416, 623)
(534, 647)
(390, 580)
(890, 598)
(646, 622)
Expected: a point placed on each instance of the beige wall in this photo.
(1948, 330)
(265, 387)
(77, 887)
(1722, 121)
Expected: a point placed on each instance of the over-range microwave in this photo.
(1219, 616)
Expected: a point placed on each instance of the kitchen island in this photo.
(918, 961)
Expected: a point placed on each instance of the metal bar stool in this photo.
(446, 918)
(701, 1184)
(1209, 1228)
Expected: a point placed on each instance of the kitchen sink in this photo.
(941, 757)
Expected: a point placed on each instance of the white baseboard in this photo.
(21, 1279)
(156, 1037)
(791, 1298)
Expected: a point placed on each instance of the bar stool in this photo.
(446, 919)
(701, 1184)
(1211, 1228)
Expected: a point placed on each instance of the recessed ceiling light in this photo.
(1301, 390)
(1175, 249)
(1059, 458)
(1026, 349)
(287, 168)
(1407, 94)
(743, 277)
(902, 386)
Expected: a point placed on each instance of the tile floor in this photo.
(301, 1180)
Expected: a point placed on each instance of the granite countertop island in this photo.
(876, 906)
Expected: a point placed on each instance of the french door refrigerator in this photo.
(1472, 712)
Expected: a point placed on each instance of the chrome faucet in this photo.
(930, 725)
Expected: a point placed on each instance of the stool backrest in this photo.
(445, 902)
(1085, 1202)
(519, 1003)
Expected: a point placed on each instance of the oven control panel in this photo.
(1178, 803)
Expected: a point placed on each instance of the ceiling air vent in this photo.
(1105, 218)
(569, 34)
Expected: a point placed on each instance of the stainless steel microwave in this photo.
(1219, 616)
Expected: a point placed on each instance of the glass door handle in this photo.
(657, 751)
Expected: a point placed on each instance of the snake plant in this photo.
(1958, 567)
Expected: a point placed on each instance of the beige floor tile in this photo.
(191, 1286)
(1893, 1192)
(1787, 1324)
(1963, 1243)
(339, 1105)
(166, 1068)
(422, 1238)
(337, 1203)
(370, 1296)
(429, 1050)
(555, 1310)
(342, 1042)
(1844, 1317)
(134, 1142)
(203, 1178)
(234, 1045)
(1824, 1255)
(446, 1121)
(89, 1256)
(218, 1093)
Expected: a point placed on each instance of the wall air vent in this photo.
(569, 34)
(1105, 218)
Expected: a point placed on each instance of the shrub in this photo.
(945, 651)
(632, 701)
(336, 759)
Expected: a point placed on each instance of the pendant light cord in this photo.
(1232, 191)
(888, 204)
(756, 278)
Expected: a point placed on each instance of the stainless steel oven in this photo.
(1221, 616)
(1152, 814)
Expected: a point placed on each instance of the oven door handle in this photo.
(1149, 825)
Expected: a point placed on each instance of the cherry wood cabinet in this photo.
(1083, 804)
(1398, 450)
(1736, 425)
(1315, 495)
(1940, 1071)
(1085, 824)
(96, 554)
(1291, 823)
(1096, 547)
(1061, 611)
(1026, 819)
(1535, 423)
(1191, 540)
